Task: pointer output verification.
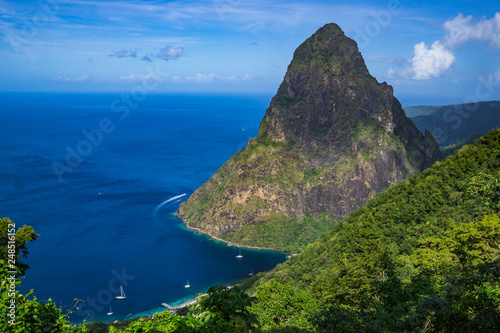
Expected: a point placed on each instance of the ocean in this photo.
(99, 177)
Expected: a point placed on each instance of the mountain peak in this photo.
(335, 45)
(326, 91)
(331, 138)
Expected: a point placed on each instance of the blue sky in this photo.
(431, 52)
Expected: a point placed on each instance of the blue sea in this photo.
(99, 177)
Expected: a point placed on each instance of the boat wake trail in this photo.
(166, 202)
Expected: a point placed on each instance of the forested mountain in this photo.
(452, 124)
(331, 138)
(422, 256)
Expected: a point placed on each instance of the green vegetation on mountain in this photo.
(422, 256)
(448, 150)
(297, 234)
(453, 124)
(331, 138)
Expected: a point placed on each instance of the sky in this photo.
(431, 52)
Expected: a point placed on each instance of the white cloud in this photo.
(244, 77)
(390, 73)
(433, 62)
(495, 77)
(253, 15)
(170, 53)
(198, 78)
(148, 57)
(65, 78)
(460, 30)
(167, 53)
(124, 54)
(204, 78)
(139, 77)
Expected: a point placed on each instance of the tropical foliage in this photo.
(423, 256)
(14, 243)
(21, 314)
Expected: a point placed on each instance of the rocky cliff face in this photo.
(331, 138)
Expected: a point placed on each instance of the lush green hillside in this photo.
(426, 204)
(422, 256)
(448, 150)
(452, 124)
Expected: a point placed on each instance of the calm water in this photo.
(89, 173)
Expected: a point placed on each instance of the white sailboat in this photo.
(239, 256)
(251, 272)
(187, 284)
(122, 294)
(110, 312)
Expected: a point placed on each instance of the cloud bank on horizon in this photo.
(167, 53)
(438, 50)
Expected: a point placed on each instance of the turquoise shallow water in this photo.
(91, 182)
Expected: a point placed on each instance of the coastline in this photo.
(182, 303)
(197, 230)
(193, 298)
(162, 308)
(179, 306)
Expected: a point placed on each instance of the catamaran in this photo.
(187, 284)
(122, 294)
(239, 256)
